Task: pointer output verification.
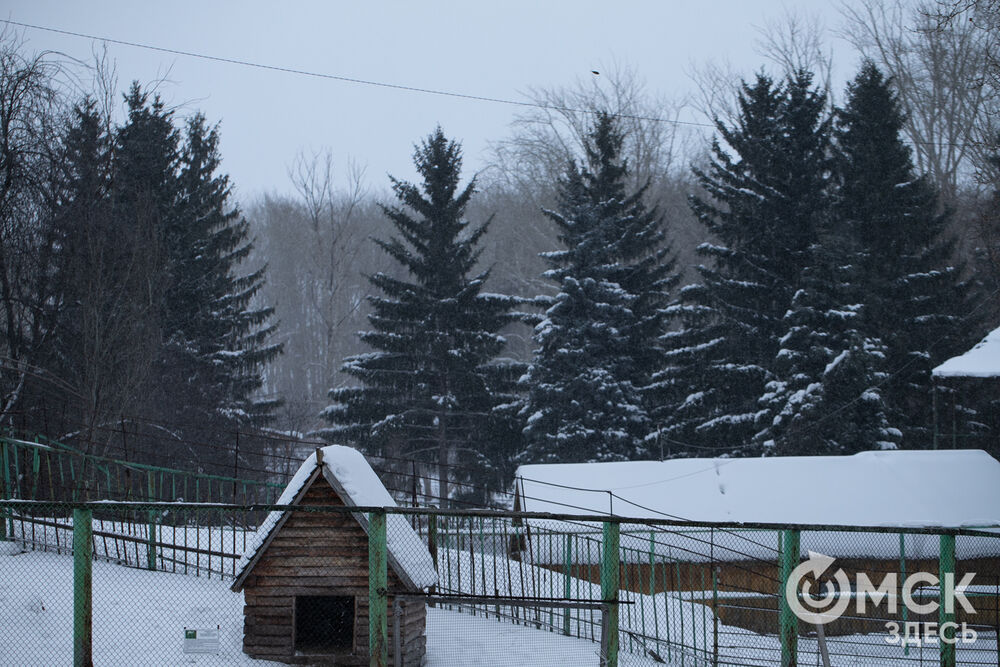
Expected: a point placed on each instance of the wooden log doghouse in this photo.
(305, 576)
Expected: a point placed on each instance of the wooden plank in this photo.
(320, 530)
(268, 619)
(238, 584)
(318, 544)
(322, 590)
(267, 630)
(316, 535)
(345, 573)
(321, 517)
(323, 529)
(274, 643)
(299, 552)
(270, 604)
(270, 598)
(299, 582)
(332, 558)
(323, 495)
(267, 573)
(334, 565)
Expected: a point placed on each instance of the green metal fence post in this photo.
(902, 579)
(567, 581)
(432, 546)
(946, 600)
(36, 464)
(610, 571)
(82, 568)
(652, 583)
(715, 615)
(7, 494)
(680, 609)
(151, 516)
(378, 625)
(788, 623)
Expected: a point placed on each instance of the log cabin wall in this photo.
(761, 576)
(749, 589)
(319, 554)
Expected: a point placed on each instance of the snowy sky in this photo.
(498, 50)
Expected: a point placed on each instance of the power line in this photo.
(397, 86)
(347, 79)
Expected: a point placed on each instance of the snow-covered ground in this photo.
(455, 638)
(140, 616)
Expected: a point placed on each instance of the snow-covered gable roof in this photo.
(982, 361)
(353, 479)
(953, 489)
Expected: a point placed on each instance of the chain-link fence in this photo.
(171, 583)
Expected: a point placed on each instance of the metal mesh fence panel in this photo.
(252, 584)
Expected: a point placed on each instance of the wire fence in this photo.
(35, 467)
(228, 584)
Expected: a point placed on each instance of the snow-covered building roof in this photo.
(927, 489)
(357, 485)
(982, 361)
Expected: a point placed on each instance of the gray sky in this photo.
(498, 49)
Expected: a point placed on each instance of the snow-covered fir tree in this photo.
(824, 395)
(151, 317)
(766, 196)
(433, 386)
(915, 301)
(213, 343)
(217, 341)
(597, 342)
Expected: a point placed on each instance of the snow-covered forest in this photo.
(615, 285)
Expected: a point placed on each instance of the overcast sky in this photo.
(497, 49)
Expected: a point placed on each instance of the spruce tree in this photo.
(766, 195)
(914, 299)
(102, 319)
(597, 342)
(431, 384)
(211, 341)
(146, 154)
(216, 340)
(824, 396)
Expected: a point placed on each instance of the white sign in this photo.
(201, 640)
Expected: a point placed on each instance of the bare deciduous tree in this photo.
(29, 108)
(937, 69)
(544, 139)
(716, 85)
(526, 166)
(798, 40)
(317, 250)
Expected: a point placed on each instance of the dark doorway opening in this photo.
(324, 623)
